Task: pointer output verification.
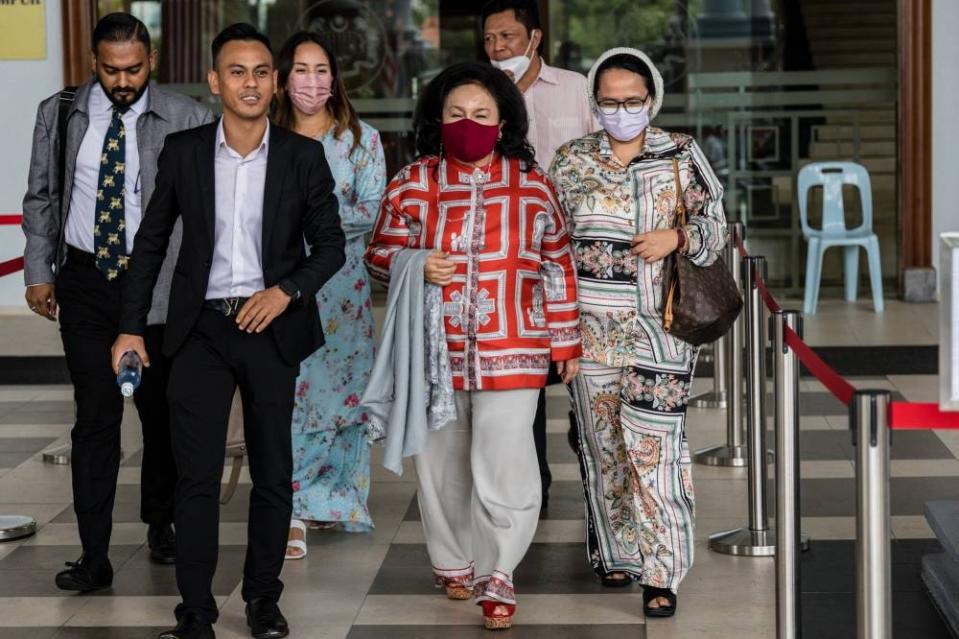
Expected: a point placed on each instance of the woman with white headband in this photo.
(620, 187)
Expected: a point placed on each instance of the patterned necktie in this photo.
(109, 238)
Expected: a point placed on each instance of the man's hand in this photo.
(126, 343)
(438, 269)
(655, 245)
(261, 309)
(42, 300)
(568, 370)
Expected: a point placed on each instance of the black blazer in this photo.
(298, 204)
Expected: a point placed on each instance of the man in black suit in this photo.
(242, 313)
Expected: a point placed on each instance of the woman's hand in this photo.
(655, 245)
(568, 370)
(439, 270)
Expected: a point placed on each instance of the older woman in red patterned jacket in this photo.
(476, 197)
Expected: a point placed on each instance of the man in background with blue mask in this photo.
(558, 106)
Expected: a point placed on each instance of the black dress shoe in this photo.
(265, 620)
(190, 626)
(85, 575)
(162, 541)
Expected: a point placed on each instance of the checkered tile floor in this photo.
(378, 586)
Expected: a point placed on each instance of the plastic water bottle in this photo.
(131, 371)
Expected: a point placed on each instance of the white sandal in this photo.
(296, 544)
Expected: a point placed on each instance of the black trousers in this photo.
(214, 361)
(539, 432)
(89, 323)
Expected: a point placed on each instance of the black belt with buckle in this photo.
(76, 256)
(229, 306)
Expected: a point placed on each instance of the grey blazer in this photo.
(45, 210)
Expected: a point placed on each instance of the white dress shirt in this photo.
(86, 177)
(237, 267)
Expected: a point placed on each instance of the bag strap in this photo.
(680, 221)
(680, 200)
(67, 97)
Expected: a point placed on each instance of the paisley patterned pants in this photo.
(634, 460)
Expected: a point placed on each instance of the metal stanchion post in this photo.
(16, 527)
(59, 456)
(706, 356)
(733, 452)
(756, 540)
(788, 534)
(715, 398)
(869, 417)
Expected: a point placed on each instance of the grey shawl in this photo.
(410, 391)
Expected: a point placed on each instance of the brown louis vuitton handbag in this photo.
(700, 303)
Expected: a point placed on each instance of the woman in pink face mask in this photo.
(331, 453)
(498, 248)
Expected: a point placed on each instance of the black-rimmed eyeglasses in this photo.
(633, 105)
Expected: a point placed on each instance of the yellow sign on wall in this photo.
(23, 33)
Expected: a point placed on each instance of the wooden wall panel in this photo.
(915, 133)
(77, 20)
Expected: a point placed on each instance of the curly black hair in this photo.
(428, 117)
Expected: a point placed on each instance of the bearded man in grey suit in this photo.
(92, 172)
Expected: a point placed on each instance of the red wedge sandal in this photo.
(458, 592)
(494, 621)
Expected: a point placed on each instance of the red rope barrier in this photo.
(921, 416)
(768, 298)
(741, 248)
(832, 380)
(902, 415)
(16, 264)
(11, 266)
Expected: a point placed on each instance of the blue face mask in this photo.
(623, 126)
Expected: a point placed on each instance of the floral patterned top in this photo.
(607, 203)
(333, 378)
(331, 453)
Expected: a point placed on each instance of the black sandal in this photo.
(610, 582)
(650, 593)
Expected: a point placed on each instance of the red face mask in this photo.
(468, 141)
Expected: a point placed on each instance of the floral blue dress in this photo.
(331, 452)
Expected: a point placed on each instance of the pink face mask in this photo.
(310, 91)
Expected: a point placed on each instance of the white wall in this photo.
(945, 120)
(23, 84)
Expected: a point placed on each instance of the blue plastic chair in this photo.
(832, 176)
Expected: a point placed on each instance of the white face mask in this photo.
(517, 65)
(623, 126)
